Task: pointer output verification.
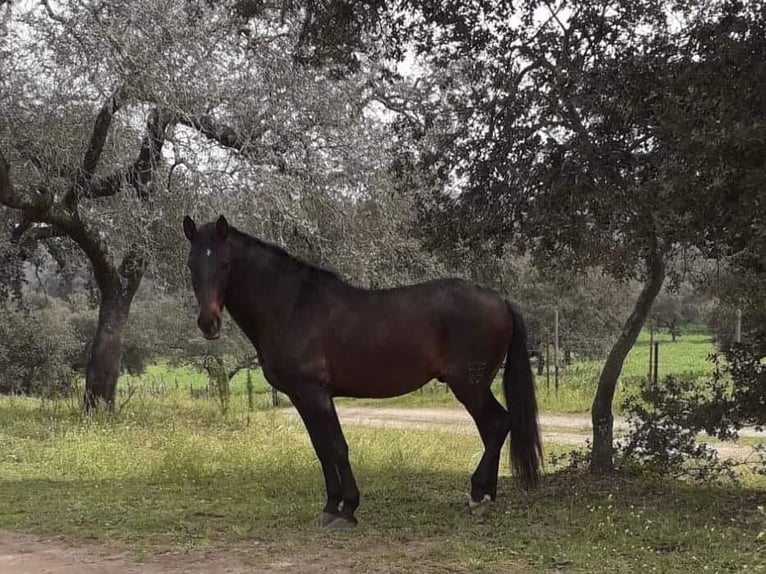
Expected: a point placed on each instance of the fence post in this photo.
(556, 348)
(547, 365)
(656, 360)
(249, 387)
(651, 349)
(738, 328)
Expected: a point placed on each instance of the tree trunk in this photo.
(601, 410)
(117, 288)
(105, 354)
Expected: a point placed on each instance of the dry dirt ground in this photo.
(561, 429)
(25, 554)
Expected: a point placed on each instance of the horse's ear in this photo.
(222, 227)
(189, 228)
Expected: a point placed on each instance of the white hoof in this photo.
(480, 507)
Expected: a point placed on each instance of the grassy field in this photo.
(171, 473)
(688, 356)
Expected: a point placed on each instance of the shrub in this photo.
(38, 347)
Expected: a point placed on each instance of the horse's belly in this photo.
(385, 371)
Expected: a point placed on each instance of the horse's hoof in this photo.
(480, 507)
(341, 523)
(326, 518)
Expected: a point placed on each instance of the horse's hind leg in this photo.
(493, 424)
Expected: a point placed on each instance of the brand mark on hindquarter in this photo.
(477, 373)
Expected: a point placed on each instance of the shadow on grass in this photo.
(574, 521)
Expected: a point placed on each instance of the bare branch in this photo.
(38, 233)
(554, 12)
(95, 250)
(131, 391)
(227, 136)
(28, 237)
(398, 105)
(562, 101)
(51, 14)
(40, 208)
(95, 146)
(141, 172)
(36, 206)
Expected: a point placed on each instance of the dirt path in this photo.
(562, 429)
(26, 554)
(578, 422)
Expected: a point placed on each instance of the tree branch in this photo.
(41, 208)
(51, 14)
(561, 100)
(141, 172)
(554, 12)
(32, 203)
(36, 233)
(95, 147)
(35, 207)
(97, 253)
(227, 136)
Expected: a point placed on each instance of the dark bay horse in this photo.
(318, 337)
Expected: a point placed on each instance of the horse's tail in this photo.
(519, 388)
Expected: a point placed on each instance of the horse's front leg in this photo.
(317, 410)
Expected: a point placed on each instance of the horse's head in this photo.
(209, 263)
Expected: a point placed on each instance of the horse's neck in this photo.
(261, 294)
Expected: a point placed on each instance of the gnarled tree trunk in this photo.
(105, 354)
(117, 288)
(601, 410)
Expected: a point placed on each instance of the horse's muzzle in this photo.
(210, 325)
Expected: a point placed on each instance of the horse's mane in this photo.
(312, 270)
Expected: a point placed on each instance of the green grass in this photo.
(184, 377)
(171, 473)
(686, 357)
